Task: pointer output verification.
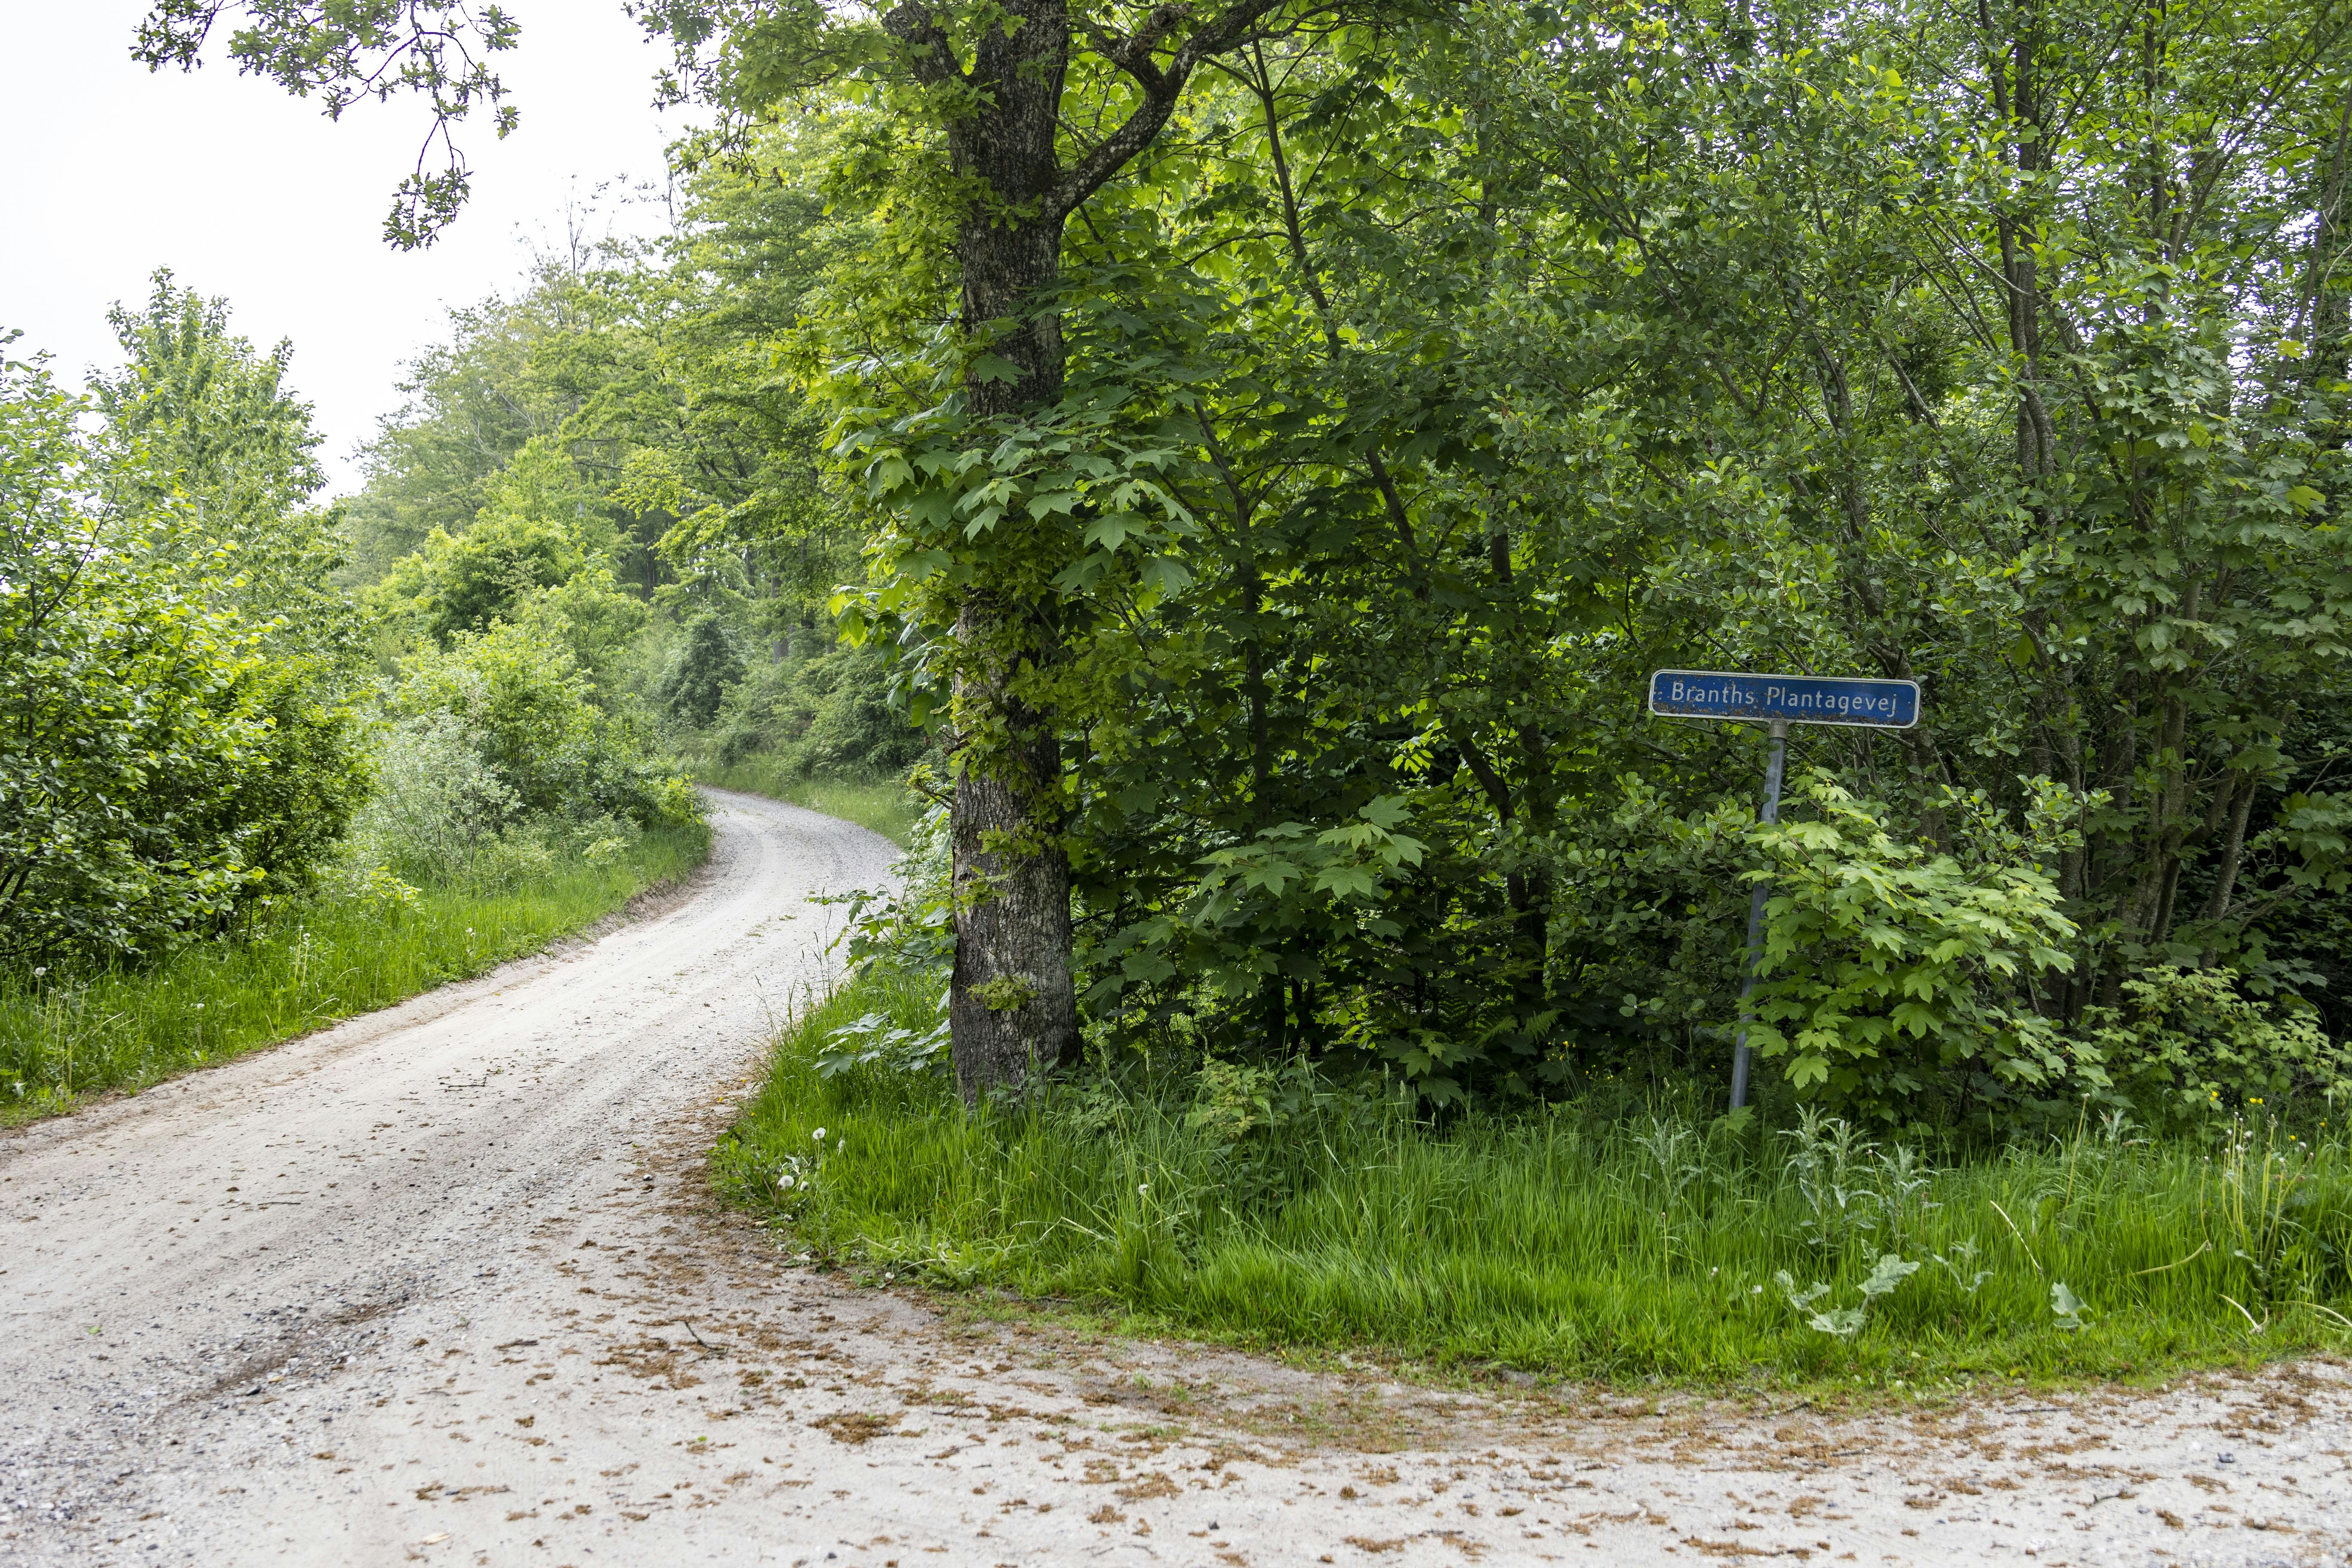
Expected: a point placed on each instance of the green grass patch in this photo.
(299, 967)
(1556, 1241)
(882, 803)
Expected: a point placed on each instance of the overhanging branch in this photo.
(1163, 86)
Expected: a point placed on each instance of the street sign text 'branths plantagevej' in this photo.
(1798, 699)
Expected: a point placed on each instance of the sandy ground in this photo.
(445, 1285)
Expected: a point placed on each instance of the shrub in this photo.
(2187, 1045)
(309, 768)
(705, 668)
(538, 730)
(1889, 968)
(443, 817)
(832, 714)
(170, 756)
(438, 803)
(526, 540)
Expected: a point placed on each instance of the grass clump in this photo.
(1263, 1205)
(365, 939)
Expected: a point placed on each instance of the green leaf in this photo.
(2065, 1305)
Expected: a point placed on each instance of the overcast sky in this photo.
(246, 192)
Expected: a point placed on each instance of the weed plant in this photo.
(1268, 1209)
(363, 943)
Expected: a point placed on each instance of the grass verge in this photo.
(300, 967)
(1551, 1241)
(882, 803)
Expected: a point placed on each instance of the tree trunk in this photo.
(1012, 1002)
(1012, 1005)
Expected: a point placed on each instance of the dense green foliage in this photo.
(205, 793)
(607, 461)
(180, 694)
(532, 716)
(832, 714)
(1285, 563)
(1430, 386)
(698, 678)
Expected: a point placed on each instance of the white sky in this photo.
(248, 192)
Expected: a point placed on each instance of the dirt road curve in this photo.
(443, 1286)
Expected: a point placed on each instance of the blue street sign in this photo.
(1791, 699)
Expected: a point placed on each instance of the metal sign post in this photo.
(1773, 770)
(1777, 702)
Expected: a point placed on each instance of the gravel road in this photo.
(446, 1285)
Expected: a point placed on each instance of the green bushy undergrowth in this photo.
(705, 668)
(1259, 1205)
(176, 691)
(506, 810)
(829, 715)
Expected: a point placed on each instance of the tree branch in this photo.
(1162, 87)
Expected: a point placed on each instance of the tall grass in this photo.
(1554, 1240)
(301, 966)
(877, 802)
